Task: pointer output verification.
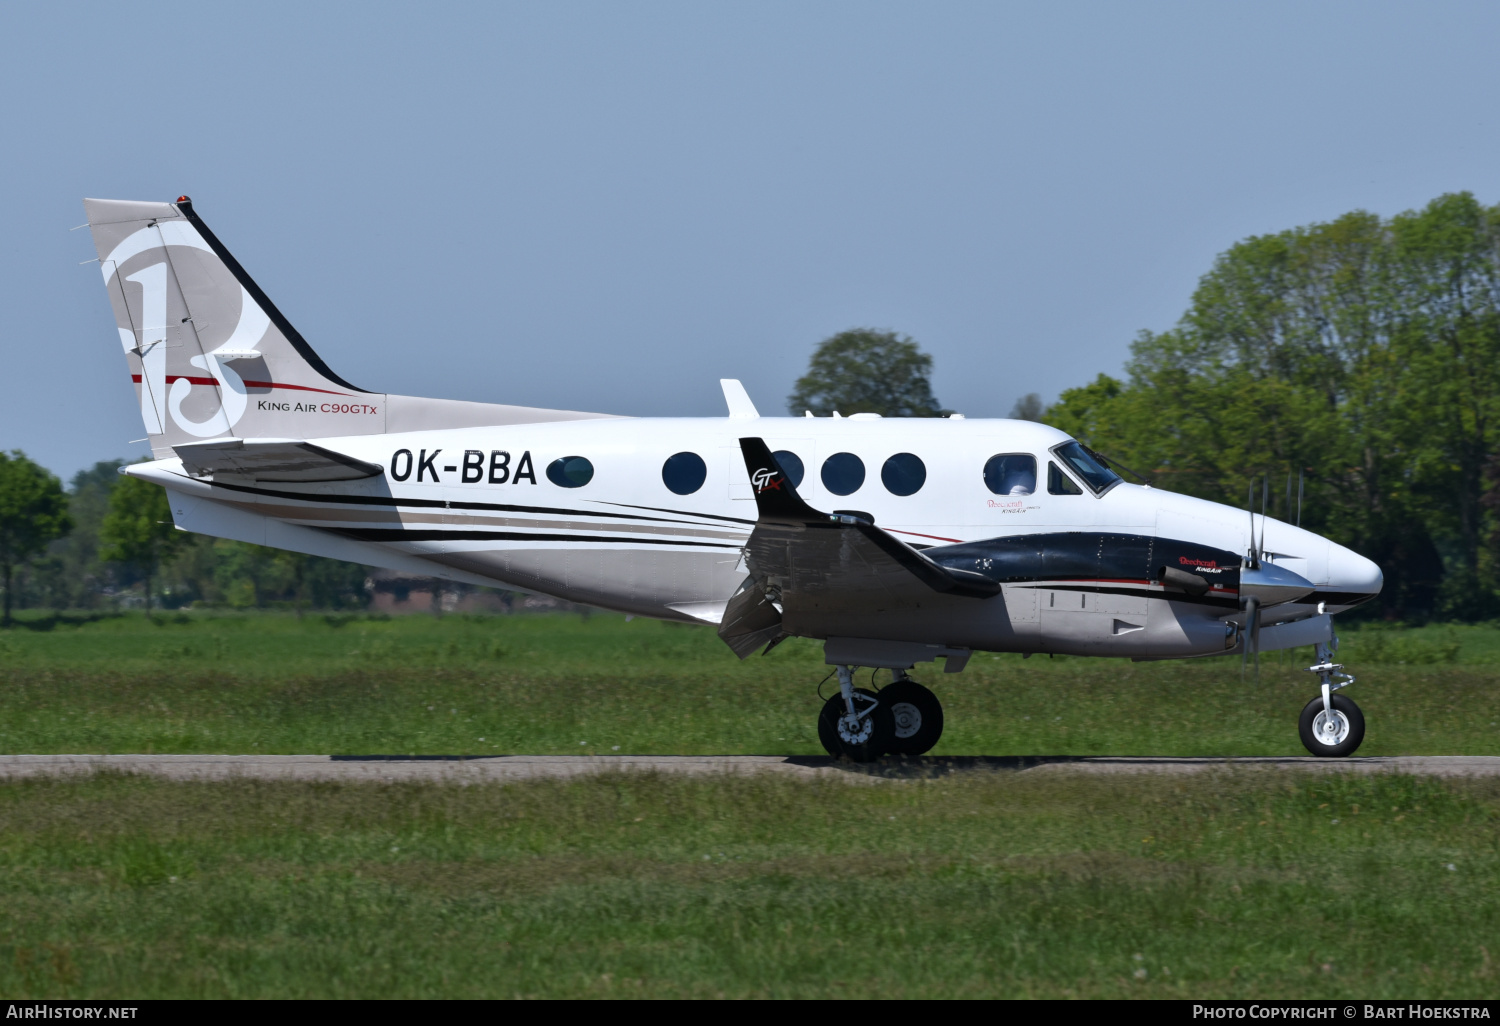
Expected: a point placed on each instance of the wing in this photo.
(271, 459)
(803, 561)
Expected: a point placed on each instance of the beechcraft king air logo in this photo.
(150, 321)
(766, 480)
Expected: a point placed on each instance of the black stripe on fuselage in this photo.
(658, 509)
(497, 507)
(396, 534)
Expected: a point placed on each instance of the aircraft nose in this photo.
(1351, 572)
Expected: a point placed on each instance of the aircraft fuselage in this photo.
(1080, 572)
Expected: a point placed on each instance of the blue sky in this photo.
(610, 206)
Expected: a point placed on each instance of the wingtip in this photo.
(776, 497)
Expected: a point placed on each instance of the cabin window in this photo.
(1011, 473)
(843, 473)
(1059, 483)
(1089, 467)
(684, 473)
(791, 465)
(903, 474)
(570, 472)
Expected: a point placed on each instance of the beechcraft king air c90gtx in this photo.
(893, 542)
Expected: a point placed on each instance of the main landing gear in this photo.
(903, 718)
(1331, 725)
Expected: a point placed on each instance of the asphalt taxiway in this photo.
(479, 769)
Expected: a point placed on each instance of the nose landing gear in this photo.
(904, 718)
(1331, 725)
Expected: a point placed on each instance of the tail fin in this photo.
(211, 355)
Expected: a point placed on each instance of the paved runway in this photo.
(531, 767)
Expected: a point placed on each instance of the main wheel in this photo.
(918, 715)
(1335, 737)
(873, 737)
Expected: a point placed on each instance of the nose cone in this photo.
(1351, 573)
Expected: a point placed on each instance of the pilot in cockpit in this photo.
(1011, 474)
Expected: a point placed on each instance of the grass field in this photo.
(557, 684)
(1251, 884)
(1242, 883)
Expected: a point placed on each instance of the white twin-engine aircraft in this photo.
(893, 542)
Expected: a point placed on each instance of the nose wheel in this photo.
(1331, 726)
(1332, 732)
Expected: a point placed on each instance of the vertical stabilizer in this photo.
(212, 357)
(210, 354)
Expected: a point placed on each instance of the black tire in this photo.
(1353, 718)
(872, 743)
(918, 717)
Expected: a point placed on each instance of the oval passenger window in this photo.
(843, 473)
(903, 474)
(791, 465)
(1010, 474)
(570, 472)
(684, 473)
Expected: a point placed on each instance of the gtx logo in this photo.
(766, 480)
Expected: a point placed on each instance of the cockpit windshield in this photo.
(1087, 466)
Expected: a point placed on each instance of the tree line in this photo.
(108, 540)
(1359, 358)
(1346, 374)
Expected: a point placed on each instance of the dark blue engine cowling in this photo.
(1095, 559)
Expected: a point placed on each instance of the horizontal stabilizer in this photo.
(271, 459)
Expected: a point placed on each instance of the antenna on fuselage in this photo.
(1299, 496)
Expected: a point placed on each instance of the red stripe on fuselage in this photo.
(918, 534)
(249, 384)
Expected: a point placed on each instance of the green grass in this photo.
(556, 684)
(1245, 884)
(1233, 884)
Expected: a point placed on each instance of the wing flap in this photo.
(750, 620)
(272, 459)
